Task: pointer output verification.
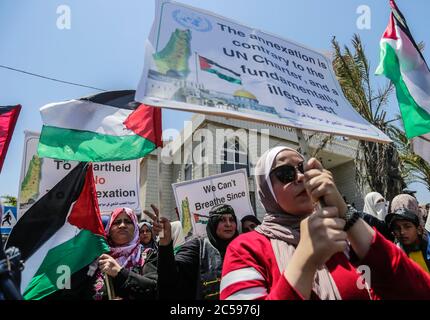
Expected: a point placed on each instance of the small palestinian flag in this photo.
(109, 126)
(60, 234)
(198, 218)
(222, 72)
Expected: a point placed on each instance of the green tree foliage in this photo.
(379, 165)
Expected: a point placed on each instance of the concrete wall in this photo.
(344, 176)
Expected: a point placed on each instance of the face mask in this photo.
(381, 210)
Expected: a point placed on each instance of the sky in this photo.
(104, 48)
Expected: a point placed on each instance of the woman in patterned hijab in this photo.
(131, 270)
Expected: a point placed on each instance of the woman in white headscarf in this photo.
(298, 251)
(374, 212)
(375, 205)
(177, 236)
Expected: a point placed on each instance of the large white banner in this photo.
(194, 199)
(117, 183)
(201, 62)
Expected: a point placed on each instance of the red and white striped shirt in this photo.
(250, 272)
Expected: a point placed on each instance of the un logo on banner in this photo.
(192, 21)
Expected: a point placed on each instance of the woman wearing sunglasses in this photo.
(301, 249)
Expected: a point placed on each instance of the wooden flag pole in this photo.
(110, 290)
(160, 186)
(304, 150)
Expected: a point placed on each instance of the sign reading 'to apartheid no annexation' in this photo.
(117, 183)
(194, 199)
(200, 62)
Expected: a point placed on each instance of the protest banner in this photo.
(194, 199)
(200, 62)
(117, 183)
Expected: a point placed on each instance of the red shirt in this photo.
(250, 271)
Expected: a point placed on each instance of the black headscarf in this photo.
(251, 218)
(215, 216)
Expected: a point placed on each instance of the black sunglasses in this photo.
(287, 173)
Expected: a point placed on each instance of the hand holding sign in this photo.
(160, 226)
(320, 185)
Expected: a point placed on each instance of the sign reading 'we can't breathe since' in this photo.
(196, 198)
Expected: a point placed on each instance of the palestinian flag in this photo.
(60, 234)
(403, 63)
(222, 72)
(8, 117)
(109, 126)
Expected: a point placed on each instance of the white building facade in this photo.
(211, 145)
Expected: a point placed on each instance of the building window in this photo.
(234, 157)
(188, 172)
